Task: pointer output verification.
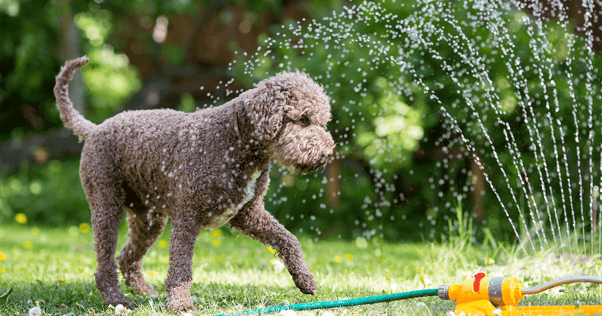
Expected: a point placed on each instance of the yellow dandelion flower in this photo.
(490, 261)
(153, 273)
(63, 280)
(1, 256)
(84, 228)
(272, 261)
(163, 244)
(2, 271)
(21, 218)
(27, 244)
(272, 250)
(166, 259)
(337, 259)
(348, 256)
(216, 242)
(216, 233)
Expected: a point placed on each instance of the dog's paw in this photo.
(306, 283)
(180, 307)
(179, 299)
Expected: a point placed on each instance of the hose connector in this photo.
(444, 292)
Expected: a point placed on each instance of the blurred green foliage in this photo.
(396, 128)
(49, 195)
(110, 81)
(29, 49)
(109, 78)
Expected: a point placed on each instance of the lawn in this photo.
(54, 268)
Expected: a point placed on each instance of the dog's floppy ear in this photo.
(266, 110)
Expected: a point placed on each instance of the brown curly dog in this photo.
(204, 169)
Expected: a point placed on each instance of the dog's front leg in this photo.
(184, 231)
(254, 221)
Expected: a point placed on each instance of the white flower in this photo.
(120, 309)
(35, 311)
(187, 314)
(287, 312)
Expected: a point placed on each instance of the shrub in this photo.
(47, 195)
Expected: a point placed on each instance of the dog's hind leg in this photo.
(254, 221)
(143, 233)
(105, 197)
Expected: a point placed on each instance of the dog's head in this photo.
(290, 111)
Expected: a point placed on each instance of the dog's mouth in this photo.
(304, 162)
(305, 168)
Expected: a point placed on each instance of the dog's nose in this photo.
(328, 152)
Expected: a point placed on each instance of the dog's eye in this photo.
(305, 121)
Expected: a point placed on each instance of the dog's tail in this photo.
(72, 119)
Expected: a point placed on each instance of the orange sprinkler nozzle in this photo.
(490, 296)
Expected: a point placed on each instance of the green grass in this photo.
(54, 268)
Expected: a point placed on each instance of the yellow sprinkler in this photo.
(499, 296)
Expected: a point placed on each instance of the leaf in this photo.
(4, 297)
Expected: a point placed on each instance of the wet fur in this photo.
(203, 169)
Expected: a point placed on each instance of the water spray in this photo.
(481, 295)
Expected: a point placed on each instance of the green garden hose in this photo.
(339, 303)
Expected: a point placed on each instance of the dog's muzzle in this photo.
(306, 150)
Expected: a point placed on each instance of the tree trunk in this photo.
(334, 183)
(70, 48)
(478, 182)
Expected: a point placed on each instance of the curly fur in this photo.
(203, 169)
